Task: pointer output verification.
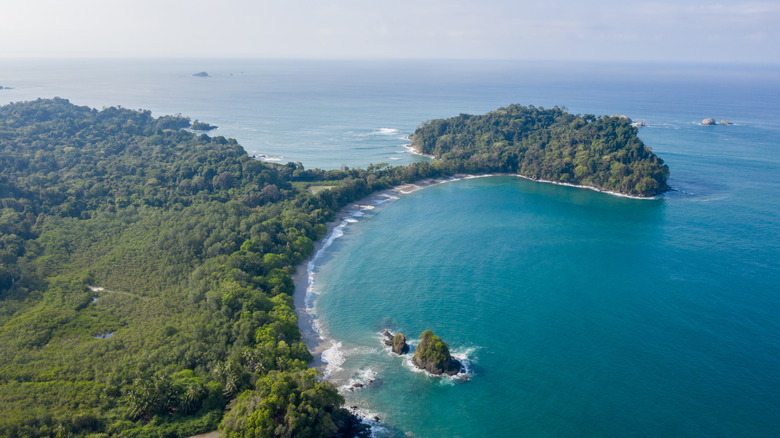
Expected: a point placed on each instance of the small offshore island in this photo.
(182, 246)
(432, 354)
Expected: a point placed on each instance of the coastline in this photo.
(580, 186)
(304, 272)
(303, 277)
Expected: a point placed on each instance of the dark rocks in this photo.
(449, 367)
(388, 337)
(201, 74)
(352, 425)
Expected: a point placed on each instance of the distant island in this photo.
(5, 88)
(548, 144)
(201, 74)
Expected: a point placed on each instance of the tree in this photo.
(285, 404)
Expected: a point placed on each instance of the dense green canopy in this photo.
(548, 144)
(432, 348)
(145, 272)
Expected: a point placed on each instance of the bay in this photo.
(581, 313)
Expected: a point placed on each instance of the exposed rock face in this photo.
(396, 341)
(433, 355)
(638, 124)
(708, 122)
(399, 344)
(725, 122)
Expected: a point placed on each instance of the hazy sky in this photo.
(731, 31)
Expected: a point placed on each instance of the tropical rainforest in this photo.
(548, 144)
(145, 270)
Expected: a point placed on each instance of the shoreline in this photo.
(580, 186)
(304, 275)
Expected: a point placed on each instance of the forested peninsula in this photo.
(548, 144)
(145, 270)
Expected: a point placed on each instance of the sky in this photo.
(596, 30)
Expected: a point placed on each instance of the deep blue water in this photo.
(580, 313)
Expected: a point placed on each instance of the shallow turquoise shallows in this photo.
(580, 314)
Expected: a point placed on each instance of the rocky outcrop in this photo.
(623, 117)
(725, 122)
(433, 355)
(201, 74)
(201, 126)
(397, 342)
(708, 122)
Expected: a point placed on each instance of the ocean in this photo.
(578, 313)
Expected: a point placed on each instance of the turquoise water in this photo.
(579, 313)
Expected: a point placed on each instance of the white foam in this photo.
(363, 378)
(386, 131)
(264, 157)
(334, 358)
(409, 149)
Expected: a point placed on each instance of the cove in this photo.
(579, 313)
